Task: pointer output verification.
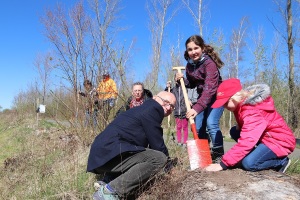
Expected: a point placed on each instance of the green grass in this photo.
(294, 167)
(12, 141)
(46, 124)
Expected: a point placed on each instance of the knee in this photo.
(248, 164)
(160, 159)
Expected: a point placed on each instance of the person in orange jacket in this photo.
(107, 91)
(263, 138)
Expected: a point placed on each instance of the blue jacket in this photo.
(132, 131)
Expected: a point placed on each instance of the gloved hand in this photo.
(171, 162)
(81, 93)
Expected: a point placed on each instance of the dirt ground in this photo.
(239, 184)
(185, 184)
(229, 184)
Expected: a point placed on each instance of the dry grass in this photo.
(43, 164)
(48, 162)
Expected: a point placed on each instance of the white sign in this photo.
(42, 108)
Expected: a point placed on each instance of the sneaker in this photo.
(102, 194)
(98, 184)
(285, 166)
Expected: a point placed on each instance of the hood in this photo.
(199, 62)
(259, 93)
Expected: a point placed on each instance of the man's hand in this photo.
(213, 168)
(172, 162)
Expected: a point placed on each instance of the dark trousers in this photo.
(132, 169)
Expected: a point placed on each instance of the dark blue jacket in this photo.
(133, 130)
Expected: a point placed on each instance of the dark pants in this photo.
(132, 169)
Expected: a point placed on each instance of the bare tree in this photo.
(103, 35)
(175, 53)
(259, 52)
(67, 35)
(238, 43)
(176, 56)
(86, 45)
(44, 67)
(290, 44)
(275, 53)
(217, 40)
(196, 9)
(287, 15)
(109, 54)
(159, 16)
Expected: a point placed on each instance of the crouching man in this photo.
(131, 149)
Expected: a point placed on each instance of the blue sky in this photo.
(21, 34)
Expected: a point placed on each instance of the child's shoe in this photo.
(285, 165)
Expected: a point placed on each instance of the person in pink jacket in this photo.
(264, 140)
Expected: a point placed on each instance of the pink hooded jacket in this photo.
(260, 123)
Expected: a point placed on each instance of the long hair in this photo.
(209, 50)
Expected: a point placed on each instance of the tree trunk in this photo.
(293, 121)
